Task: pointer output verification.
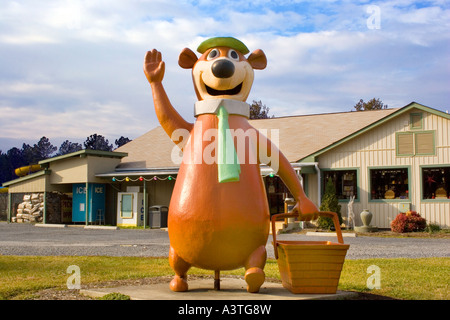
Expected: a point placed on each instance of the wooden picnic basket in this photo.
(310, 266)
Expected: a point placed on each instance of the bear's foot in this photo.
(178, 284)
(255, 278)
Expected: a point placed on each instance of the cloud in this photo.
(77, 65)
(79, 122)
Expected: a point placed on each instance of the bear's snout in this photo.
(223, 68)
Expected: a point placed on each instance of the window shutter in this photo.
(405, 144)
(416, 121)
(425, 143)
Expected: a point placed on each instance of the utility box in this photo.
(158, 216)
(404, 207)
(95, 197)
(130, 209)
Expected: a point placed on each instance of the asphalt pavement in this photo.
(27, 239)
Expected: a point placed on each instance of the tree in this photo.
(330, 202)
(10, 161)
(259, 110)
(69, 147)
(373, 104)
(28, 154)
(121, 141)
(15, 158)
(4, 167)
(43, 149)
(97, 142)
(39, 151)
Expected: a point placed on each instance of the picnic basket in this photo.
(310, 266)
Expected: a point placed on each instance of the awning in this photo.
(145, 172)
(139, 173)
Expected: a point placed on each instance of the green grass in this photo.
(410, 279)
(418, 279)
(115, 296)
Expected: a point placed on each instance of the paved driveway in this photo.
(26, 239)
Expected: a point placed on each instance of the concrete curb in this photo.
(50, 225)
(330, 234)
(102, 227)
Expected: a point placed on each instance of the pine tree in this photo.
(258, 110)
(330, 202)
(69, 147)
(97, 142)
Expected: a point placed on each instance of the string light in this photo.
(128, 179)
(170, 178)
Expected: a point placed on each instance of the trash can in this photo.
(158, 216)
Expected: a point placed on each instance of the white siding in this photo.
(377, 148)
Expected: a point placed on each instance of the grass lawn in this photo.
(415, 279)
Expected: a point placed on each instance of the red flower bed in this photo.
(408, 222)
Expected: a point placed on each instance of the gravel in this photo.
(27, 239)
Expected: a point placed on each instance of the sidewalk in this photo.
(203, 289)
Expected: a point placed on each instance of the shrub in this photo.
(432, 228)
(410, 221)
(330, 202)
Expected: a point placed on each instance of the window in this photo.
(389, 184)
(425, 142)
(345, 182)
(416, 121)
(415, 143)
(126, 206)
(436, 183)
(405, 144)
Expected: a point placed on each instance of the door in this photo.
(126, 206)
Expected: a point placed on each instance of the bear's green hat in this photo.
(223, 42)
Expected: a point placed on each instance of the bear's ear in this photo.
(257, 59)
(187, 59)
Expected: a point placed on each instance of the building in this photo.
(68, 188)
(390, 160)
(397, 163)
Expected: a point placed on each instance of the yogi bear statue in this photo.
(218, 214)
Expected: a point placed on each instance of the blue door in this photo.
(96, 201)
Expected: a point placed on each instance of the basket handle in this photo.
(329, 214)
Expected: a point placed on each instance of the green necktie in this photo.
(228, 163)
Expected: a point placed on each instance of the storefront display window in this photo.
(436, 183)
(389, 184)
(345, 182)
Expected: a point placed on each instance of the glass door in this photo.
(126, 206)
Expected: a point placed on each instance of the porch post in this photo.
(86, 207)
(44, 220)
(145, 205)
(9, 211)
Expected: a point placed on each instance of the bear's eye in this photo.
(213, 54)
(232, 54)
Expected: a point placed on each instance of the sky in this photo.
(72, 68)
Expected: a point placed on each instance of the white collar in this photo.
(212, 106)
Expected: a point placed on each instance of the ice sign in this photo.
(80, 190)
(98, 190)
